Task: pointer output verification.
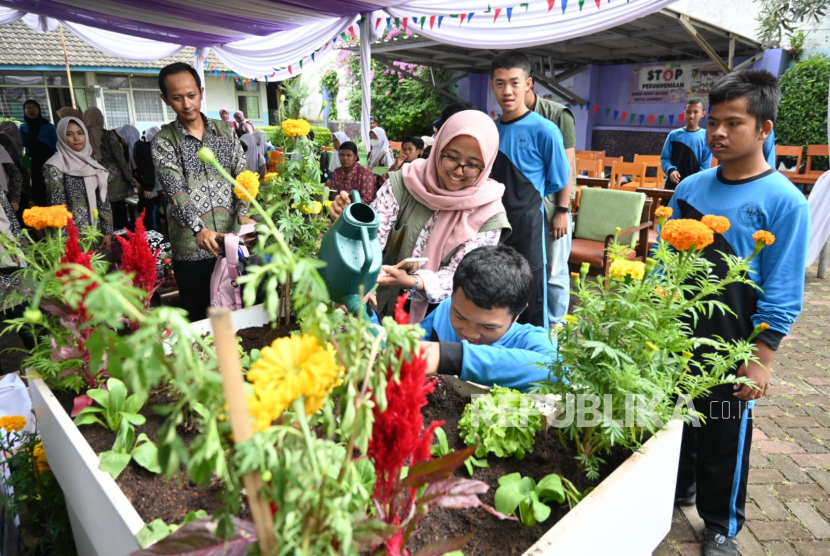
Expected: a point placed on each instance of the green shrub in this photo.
(802, 116)
(322, 135)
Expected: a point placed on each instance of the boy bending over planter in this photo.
(474, 333)
(714, 458)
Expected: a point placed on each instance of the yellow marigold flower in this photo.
(571, 319)
(663, 212)
(327, 204)
(296, 128)
(312, 207)
(718, 224)
(763, 326)
(12, 423)
(247, 185)
(46, 217)
(288, 369)
(684, 233)
(575, 275)
(40, 458)
(271, 176)
(652, 346)
(620, 269)
(763, 236)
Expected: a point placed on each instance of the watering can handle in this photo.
(364, 234)
(355, 196)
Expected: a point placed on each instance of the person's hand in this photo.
(759, 375)
(106, 243)
(432, 351)
(147, 194)
(136, 184)
(401, 160)
(15, 206)
(674, 176)
(207, 239)
(371, 299)
(340, 202)
(391, 276)
(559, 225)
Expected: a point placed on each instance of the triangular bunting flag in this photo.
(463, 17)
(596, 107)
(343, 36)
(564, 5)
(660, 119)
(377, 23)
(289, 70)
(582, 106)
(651, 119)
(440, 20)
(671, 119)
(453, 16)
(489, 9)
(682, 117)
(642, 117)
(624, 116)
(550, 4)
(598, 1)
(423, 20)
(582, 3)
(404, 23)
(397, 22)
(631, 119)
(312, 56)
(388, 23)
(498, 13)
(509, 14)
(266, 83)
(351, 31)
(301, 64)
(470, 16)
(617, 113)
(431, 21)
(608, 111)
(587, 105)
(415, 20)
(525, 5)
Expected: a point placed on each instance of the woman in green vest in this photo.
(440, 208)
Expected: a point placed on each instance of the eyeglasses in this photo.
(451, 164)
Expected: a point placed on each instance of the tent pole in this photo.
(365, 78)
(68, 72)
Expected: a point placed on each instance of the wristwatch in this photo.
(198, 228)
(563, 209)
(414, 287)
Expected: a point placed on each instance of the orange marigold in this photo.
(718, 224)
(46, 217)
(684, 233)
(763, 236)
(663, 212)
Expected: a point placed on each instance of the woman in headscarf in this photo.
(243, 124)
(11, 141)
(148, 196)
(337, 139)
(130, 136)
(40, 140)
(68, 111)
(12, 133)
(440, 208)
(253, 156)
(11, 183)
(108, 149)
(75, 179)
(225, 116)
(381, 152)
(351, 175)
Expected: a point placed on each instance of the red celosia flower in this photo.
(139, 259)
(401, 316)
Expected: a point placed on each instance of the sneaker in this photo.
(686, 500)
(716, 544)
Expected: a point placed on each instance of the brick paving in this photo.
(788, 505)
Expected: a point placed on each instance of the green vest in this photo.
(412, 217)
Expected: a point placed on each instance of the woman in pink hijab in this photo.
(440, 208)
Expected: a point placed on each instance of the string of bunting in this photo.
(621, 114)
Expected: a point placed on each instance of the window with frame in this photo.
(249, 104)
(15, 89)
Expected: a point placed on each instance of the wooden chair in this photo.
(815, 150)
(636, 171)
(794, 152)
(658, 197)
(608, 161)
(603, 211)
(585, 156)
(592, 167)
(597, 154)
(652, 161)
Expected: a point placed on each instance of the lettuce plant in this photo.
(529, 498)
(115, 407)
(441, 448)
(503, 422)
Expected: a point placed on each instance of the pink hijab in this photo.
(460, 213)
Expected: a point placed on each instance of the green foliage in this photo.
(503, 422)
(331, 82)
(441, 448)
(523, 494)
(778, 16)
(409, 107)
(294, 93)
(322, 135)
(115, 408)
(157, 529)
(802, 115)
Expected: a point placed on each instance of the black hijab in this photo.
(34, 123)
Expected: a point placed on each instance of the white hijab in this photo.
(335, 159)
(150, 132)
(80, 164)
(5, 158)
(382, 150)
(253, 156)
(131, 136)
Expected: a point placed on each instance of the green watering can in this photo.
(351, 251)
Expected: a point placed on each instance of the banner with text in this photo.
(675, 82)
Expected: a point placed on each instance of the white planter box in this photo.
(104, 521)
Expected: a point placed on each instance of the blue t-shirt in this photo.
(768, 202)
(687, 152)
(769, 149)
(517, 360)
(531, 164)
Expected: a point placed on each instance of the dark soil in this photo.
(494, 537)
(152, 495)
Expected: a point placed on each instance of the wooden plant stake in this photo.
(233, 383)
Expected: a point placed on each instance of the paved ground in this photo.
(788, 507)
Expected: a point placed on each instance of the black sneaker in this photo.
(686, 501)
(716, 544)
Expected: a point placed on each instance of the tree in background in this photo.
(331, 82)
(779, 16)
(295, 93)
(802, 115)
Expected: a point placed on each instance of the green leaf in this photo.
(510, 493)
(152, 532)
(550, 489)
(99, 395)
(146, 454)
(540, 511)
(113, 463)
(87, 417)
(134, 418)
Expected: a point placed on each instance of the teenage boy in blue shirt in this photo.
(474, 333)
(532, 165)
(685, 151)
(714, 459)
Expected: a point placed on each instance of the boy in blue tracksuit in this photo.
(474, 333)
(714, 459)
(685, 151)
(532, 165)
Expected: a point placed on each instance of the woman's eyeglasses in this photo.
(451, 164)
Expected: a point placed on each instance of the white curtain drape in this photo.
(521, 26)
(365, 80)
(123, 46)
(199, 55)
(10, 15)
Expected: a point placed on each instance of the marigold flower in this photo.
(312, 207)
(296, 128)
(663, 213)
(46, 217)
(271, 176)
(763, 326)
(12, 423)
(247, 185)
(763, 236)
(287, 369)
(575, 275)
(684, 233)
(40, 458)
(718, 224)
(571, 319)
(620, 269)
